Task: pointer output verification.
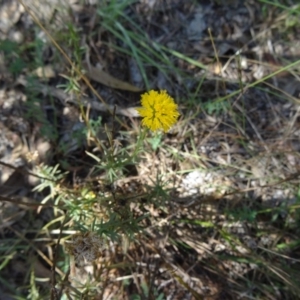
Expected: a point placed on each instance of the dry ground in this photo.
(209, 210)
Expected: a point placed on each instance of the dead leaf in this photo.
(106, 79)
(45, 72)
(15, 182)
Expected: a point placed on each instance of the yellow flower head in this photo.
(159, 111)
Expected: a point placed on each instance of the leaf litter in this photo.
(227, 165)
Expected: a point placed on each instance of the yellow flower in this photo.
(159, 111)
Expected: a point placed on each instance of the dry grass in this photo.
(93, 208)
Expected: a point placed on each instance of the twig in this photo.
(54, 294)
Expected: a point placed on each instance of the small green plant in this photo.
(214, 107)
(12, 53)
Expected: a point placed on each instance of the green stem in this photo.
(139, 143)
